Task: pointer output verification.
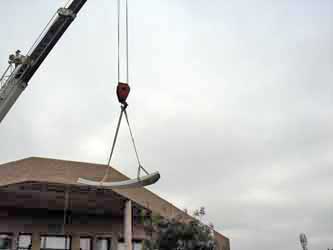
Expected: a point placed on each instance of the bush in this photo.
(175, 234)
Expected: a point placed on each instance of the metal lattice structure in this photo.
(9, 70)
(16, 78)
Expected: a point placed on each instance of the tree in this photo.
(177, 234)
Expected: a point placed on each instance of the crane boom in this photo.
(14, 81)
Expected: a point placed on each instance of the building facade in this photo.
(42, 207)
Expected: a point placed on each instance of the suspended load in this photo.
(132, 183)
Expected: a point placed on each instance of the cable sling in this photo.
(135, 148)
(113, 144)
(123, 111)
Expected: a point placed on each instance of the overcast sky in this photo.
(231, 101)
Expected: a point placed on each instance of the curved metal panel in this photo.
(133, 183)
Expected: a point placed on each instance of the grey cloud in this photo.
(231, 101)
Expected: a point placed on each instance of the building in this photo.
(42, 207)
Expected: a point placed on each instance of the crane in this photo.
(21, 68)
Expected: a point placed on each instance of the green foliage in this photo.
(172, 234)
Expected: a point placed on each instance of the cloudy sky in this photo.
(231, 101)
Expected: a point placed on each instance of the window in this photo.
(24, 242)
(103, 244)
(85, 243)
(55, 243)
(6, 241)
(137, 245)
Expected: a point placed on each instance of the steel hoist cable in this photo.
(126, 38)
(118, 38)
(127, 54)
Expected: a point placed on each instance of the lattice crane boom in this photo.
(15, 78)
